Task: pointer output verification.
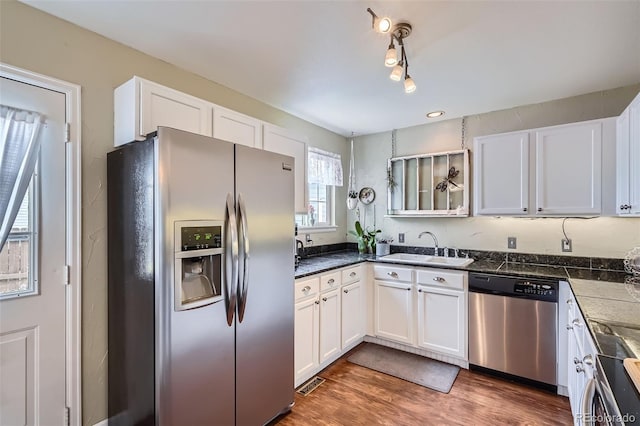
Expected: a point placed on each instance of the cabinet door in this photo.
(634, 156)
(306, 338)
(329, 324)
(442, 321)
(287, 142)
(352, 314)
(501, 174)
(568, 169)
(234, 127)
(394, 311)
(623, 160)
(162, 106)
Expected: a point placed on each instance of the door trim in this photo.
(73, 248)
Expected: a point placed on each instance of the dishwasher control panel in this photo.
(510, 286)
(533, 288)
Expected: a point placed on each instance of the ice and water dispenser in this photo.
(198, 263)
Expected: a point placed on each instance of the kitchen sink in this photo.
(426, 260)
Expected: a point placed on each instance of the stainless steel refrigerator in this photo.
(201, 276)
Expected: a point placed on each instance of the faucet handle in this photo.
(445, 251)
(455, 253)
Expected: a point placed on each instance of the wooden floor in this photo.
(354, 395)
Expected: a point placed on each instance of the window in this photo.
(18, 258)
(320, 212)
(324, 173)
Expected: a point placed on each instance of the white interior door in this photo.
(32, 278)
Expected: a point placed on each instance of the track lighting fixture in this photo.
(398, 32)
(381, 25)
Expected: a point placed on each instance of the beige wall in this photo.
(41, 43)
(600, 237)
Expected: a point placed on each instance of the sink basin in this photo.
(426, 260)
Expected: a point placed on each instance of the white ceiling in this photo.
(321, 61)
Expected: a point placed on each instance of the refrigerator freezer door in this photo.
(194, 347)
(264, 338)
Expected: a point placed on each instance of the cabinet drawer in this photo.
(392, 273)
(330, 281)
(307, 287)
(439, 278)
(351, 275)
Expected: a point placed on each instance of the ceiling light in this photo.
(396, 73)
(399, 32)
(381, 25)
(409, 85)
(391, 58)
(435, 114)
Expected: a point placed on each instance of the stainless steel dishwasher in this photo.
(513, 326)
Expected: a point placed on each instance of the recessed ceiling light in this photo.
(435, 114)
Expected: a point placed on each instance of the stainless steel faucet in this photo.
(435, 240)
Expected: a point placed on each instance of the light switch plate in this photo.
(566, 245)
(511, 242)
(401, 237)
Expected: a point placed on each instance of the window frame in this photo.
(331, 213)
(31, 235)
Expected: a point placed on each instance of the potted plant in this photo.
(366, 238)
(383, 246)
(352, 199)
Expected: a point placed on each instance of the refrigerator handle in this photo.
(243, 262)
(230, 258)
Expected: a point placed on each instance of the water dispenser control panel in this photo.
(200, 237)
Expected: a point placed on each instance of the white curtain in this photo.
(19, 148)
(324, 167)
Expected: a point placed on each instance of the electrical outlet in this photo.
(566, 245)
(401, 237)
(511, 242)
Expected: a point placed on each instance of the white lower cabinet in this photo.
(329, 324)
(394, 311)
(580, 361)
(353, 314)
(307, 317)
(442, 320)
(329, 319)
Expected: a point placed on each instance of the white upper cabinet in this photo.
(288, 142)
(140, 106)
(568, 169)
(501, 174)
(234, 127)
(552, 171)
(628, 160)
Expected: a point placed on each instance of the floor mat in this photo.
(414, 368)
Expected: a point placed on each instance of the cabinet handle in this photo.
(317, 302)
(419, 290)
(569, 301)
(439, 279)
(579, 369)
(524, 209)
(306, 289)
(346, 291)
(331, 281)
(576, 360)
(324, 299)
(625, 207)
(352, 274)
(576, 322)
(588, 359)
(409, 289)
(569, 327)
(539, 209)
(393, 274)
